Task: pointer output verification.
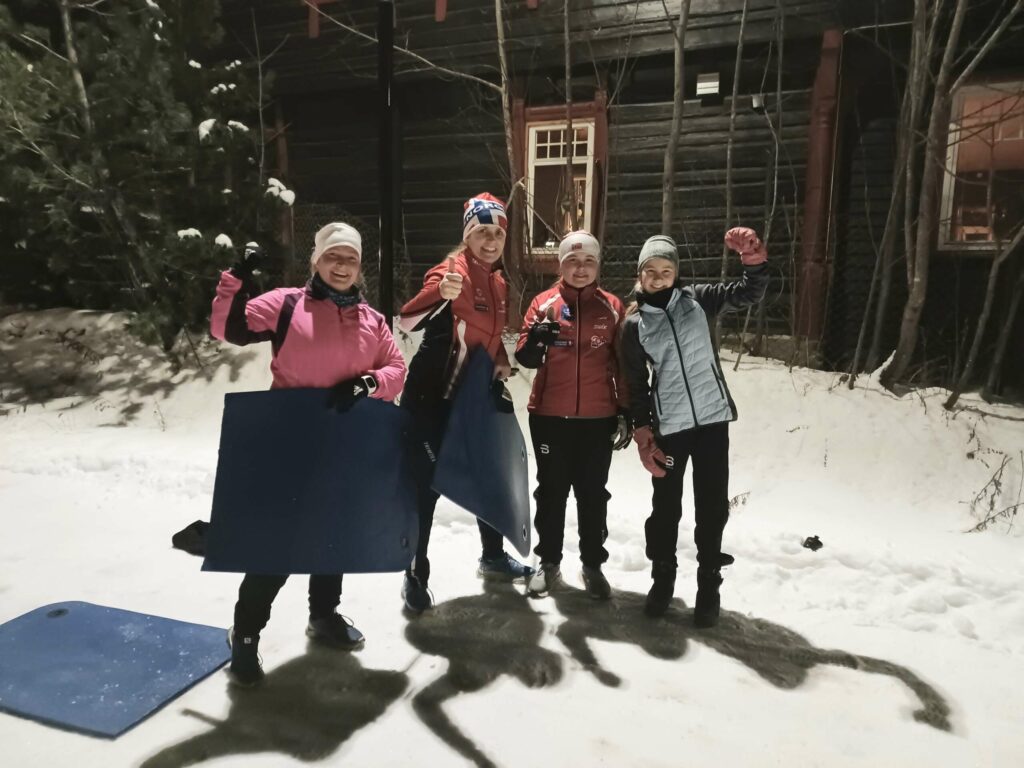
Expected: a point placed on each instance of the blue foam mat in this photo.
(483, 466)
(301, 488)
(101, 670)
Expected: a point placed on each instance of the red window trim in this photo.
(313, 29)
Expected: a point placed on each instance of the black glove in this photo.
(623, 434)
(344, 394)
(252, 257)
(502, 397)
(544, 334)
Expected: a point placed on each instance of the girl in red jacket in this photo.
(462, 305)
(577, 409)
(323, 335)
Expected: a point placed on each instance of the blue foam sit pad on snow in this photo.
(482, 466)
(301, 488)
(101, 670)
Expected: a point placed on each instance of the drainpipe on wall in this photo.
(813, 266)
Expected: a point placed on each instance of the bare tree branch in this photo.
(987, 46)
(672, 147)
(42, 45)
(404, 51)
(986, 311)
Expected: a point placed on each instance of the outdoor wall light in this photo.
(708, 89)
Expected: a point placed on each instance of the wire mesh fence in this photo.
(308, 218)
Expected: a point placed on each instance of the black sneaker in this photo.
(596, 584)
(503, 568)
(664, 586)
(709, 603)
(336, 631)
(546, 578)
(415, 594)
(245, 669)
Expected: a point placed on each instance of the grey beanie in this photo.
(658, 247)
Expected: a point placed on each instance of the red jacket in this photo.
(578, 375)
(322, 344)
(475, 318)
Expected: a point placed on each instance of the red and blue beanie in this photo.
(481, 210)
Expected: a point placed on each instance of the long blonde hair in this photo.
(634, 306)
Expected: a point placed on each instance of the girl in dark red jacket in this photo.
(577, 409)
(462, 305)
(323, 335)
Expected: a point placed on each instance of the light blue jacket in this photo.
(687, 388)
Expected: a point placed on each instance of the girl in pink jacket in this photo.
(323, 335)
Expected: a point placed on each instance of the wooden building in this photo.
(809, 137)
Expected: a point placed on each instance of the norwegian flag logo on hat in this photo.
(482, 210)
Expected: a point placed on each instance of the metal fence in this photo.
(308, 218)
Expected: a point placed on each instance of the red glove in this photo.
(745, 241)
(650, 454)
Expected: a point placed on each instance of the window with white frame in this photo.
(549, 194)
(983, 189)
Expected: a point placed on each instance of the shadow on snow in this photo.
(306, 708)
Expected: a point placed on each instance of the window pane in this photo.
(551, 204)
(989, 161)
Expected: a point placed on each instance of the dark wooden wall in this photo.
(452, 143)
(601, 30)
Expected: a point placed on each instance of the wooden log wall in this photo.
(636, 151)
(602, 30)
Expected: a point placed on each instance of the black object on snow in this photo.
(192, 538)
(813, 543)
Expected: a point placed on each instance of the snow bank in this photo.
(898, 643)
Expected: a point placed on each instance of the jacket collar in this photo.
(472, 262)
(678, 290)
(576, 294)
(316, 288)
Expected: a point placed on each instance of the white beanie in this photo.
(333, 235)
(580, 241)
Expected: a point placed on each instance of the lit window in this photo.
(983, 191)
(550, 201)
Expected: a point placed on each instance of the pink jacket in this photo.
(323, 343)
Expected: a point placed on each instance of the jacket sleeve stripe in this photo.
(460, 359)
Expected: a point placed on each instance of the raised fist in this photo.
(747, 244)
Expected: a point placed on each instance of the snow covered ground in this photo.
(900, 642)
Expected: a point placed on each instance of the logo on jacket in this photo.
(597, 342)
(566, 312)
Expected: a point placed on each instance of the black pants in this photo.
(428, 432)
(257, 593)
(576, 454)
(708, 448)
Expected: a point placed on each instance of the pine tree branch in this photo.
(30, 145)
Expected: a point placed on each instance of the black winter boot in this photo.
(245, 666)
(596, 584)
(660, 596)
(709, 603)
(335, 631)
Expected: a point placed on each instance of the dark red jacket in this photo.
(578, 375)
(476, 318)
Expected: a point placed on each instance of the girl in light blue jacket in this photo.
(681, 407)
